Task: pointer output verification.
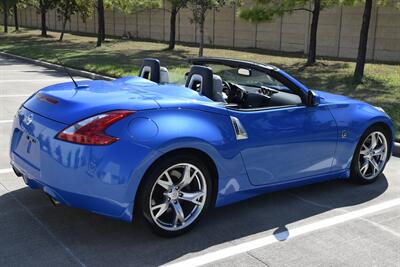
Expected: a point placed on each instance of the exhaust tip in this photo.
(17, 172)
(54, 201)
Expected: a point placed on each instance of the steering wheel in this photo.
(226, 87)
(236, 93)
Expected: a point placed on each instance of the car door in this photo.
(287, 143)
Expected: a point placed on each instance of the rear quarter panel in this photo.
(168, 129)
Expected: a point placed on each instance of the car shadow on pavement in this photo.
(96, 240)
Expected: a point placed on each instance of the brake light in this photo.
(91, 131)
(46, 98)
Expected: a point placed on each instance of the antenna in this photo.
(66, 71)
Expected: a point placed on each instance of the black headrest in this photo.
(154, 66)
(207, 79)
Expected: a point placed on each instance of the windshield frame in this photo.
(295, 86)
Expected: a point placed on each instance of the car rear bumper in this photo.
(100, 179)
(89, 202)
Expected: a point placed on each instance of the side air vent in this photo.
(239, 129)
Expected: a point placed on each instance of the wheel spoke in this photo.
(162, 208)
(379, 151)
(179, 215)
(374, 165)
(167, 184)
(364, 150)
(364, 167)
(374, 141)
(187, 177)
(192, 197)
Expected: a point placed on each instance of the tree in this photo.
(176, 5)
(134, 6)
(362, 45)
(101, 32)
(363, 41)
(43, 6)
(266, 10)
(199, 9)
(5, 7)
(18, 4)
(15, 9)
(67, 8)
(5, 14)
(312, 50)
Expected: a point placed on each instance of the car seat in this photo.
(152, 70)
(202, 80)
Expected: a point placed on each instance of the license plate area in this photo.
(27, 147)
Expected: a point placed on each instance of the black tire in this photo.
(143, 198)
(355, 173)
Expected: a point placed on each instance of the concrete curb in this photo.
(74, 72)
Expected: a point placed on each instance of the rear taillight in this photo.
(91, 131)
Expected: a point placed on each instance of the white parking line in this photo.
(14, 95)
(6, 121)
(6, 170)
(270, 239)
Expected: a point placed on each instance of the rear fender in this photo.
(208, 132)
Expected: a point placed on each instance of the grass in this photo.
(381, 85)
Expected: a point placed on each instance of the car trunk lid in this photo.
(66, 104)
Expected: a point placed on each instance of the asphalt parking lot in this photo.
(335, 223)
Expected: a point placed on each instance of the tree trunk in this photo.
(5, 10)
(63, 29)
(312, 49)
(201, 46)
(44, 28)
(66, 16)
(362, 46)
(100, 17)
(103, 26)
(201, 24)
(16, 17)
(103, 23)
(172, 32)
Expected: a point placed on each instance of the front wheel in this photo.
(175, 194)
(371, 155)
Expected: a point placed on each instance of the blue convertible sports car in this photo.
(166, 152)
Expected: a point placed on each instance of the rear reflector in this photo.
(91, 131)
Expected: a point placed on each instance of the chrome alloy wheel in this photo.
(178, 196)
(373, 154)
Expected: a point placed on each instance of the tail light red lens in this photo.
(91, 131)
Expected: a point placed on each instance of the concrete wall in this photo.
(338, 32)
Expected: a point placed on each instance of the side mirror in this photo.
(312, 99)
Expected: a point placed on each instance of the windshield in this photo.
(254, 78)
